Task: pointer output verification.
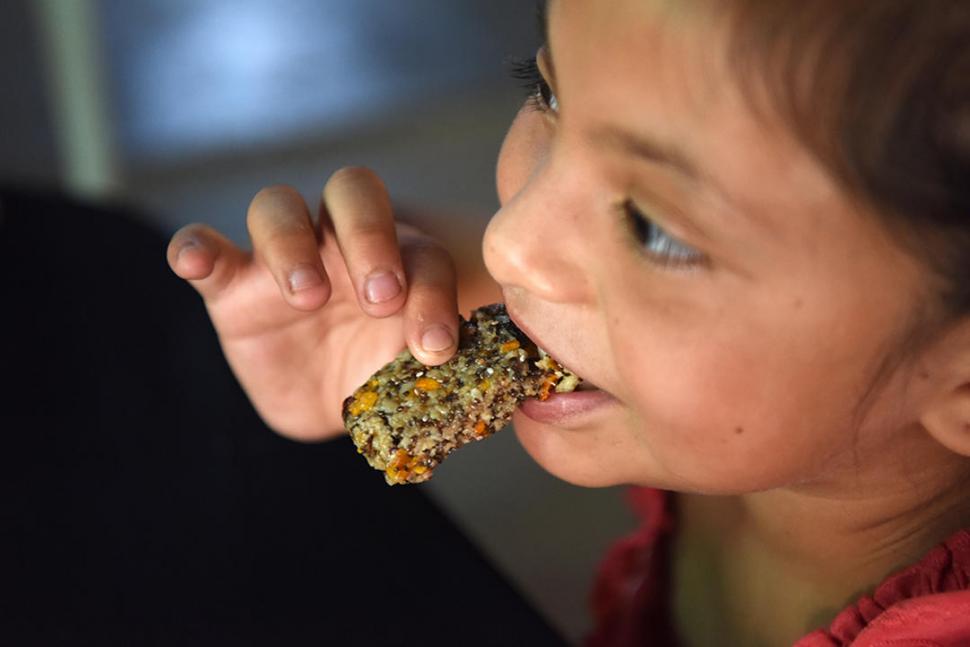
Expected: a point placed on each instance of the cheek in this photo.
(737, 411)
(524, 147)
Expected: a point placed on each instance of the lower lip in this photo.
(566, 407)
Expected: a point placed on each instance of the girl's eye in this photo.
(660, 246)
(541, 96)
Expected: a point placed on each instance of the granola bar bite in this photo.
(408, 417)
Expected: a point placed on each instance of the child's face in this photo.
(739, 335)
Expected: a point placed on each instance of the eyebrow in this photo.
(668, 156)
(636, 145)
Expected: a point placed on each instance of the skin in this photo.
(775, 378)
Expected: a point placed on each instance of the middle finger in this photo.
(359, 208)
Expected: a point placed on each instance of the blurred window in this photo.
(194, 76)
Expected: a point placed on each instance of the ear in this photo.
(947, 414)
(948, 420)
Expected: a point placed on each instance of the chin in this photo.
(573, 456)
(604, 456)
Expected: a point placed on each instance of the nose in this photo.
(534, 242)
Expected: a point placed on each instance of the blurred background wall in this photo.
(186, 108)
(28, 150)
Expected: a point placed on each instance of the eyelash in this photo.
(661, 247)
(541, 96)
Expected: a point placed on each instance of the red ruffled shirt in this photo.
(924, 605)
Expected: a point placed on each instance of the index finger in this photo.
(359, 208)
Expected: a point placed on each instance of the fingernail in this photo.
(304, 278)
(187, 245)
(381, 287)
(437, 339)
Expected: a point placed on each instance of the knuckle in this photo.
(274, 192)
(195, 231)
(370, 233)
(430, 254)
(419, 245)
(407, 231)
(287, 245)
(431, 276)
(354, 175)
(426, 301)
(279, 243)
(278, 214)
(269, 200)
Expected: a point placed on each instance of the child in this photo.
(748, 225)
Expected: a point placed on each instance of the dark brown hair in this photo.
(879, 92)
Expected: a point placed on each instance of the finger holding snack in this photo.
(318, 305)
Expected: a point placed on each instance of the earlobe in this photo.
(948, 420)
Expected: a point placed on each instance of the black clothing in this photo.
(145, 503)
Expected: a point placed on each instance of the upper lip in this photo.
(523, 327)
(531, 335)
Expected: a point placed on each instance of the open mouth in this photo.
(568, 410)
(583, 384)
(573, 400)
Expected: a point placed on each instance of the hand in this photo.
(316, 308)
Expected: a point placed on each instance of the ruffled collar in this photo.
(631, 596)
